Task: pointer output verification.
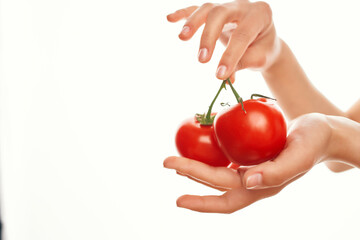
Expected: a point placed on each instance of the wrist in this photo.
(344, 143)
(277, 58)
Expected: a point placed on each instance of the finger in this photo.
(216, 176)
(215, 22)
(202, 182)
(291, 162)
(253, 58)
(229, 202)
(181, 14)
(232, 77)
(226, 32)
(232, 80)
(242, 170)
(213, 204)
(240, 40)
(194, 22)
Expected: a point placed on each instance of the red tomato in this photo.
(253, 137)
(198, 142)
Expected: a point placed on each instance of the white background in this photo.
(92, 93)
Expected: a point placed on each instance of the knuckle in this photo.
(265, 8)
(260, 62)
(218, 9)
(227, 56)
(274, 179)
(181, 12)
(229, 211)
(208, 5)
(206, 41)
(241, 36)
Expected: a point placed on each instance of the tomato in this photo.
(253, 137)
(198, 142)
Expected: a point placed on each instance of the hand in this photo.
(245, 28)
(236, 195)
(307, 145)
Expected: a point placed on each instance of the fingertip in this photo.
(232, 78)
(173, 17)
(168, 162)
(253, 177)
(183, 37)
(271, 176)
(181, 201)
(170, 17)
(205, 60)
(204, 55)
(185, 33)
(254, 181)
(222, 72)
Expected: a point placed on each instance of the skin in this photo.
(314, 136)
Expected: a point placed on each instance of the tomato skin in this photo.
(198, 142)
(253, 137)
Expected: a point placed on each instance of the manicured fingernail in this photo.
(221, 71)
(185, 30)
(254, 181)
(203, 52)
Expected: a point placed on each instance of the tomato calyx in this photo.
(208, 118)
(203, 120)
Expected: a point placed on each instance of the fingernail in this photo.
(203, 52)
(254, 181)
(185, 30)
(221, 71)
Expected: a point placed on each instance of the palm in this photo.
(236, 196)
(305, 143)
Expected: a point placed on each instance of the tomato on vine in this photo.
(251, 132)
(246, 134)
(195, 138)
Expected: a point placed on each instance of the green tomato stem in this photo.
(208, 115)
(237, 96)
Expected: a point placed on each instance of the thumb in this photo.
(232, 77)
(291, 163)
